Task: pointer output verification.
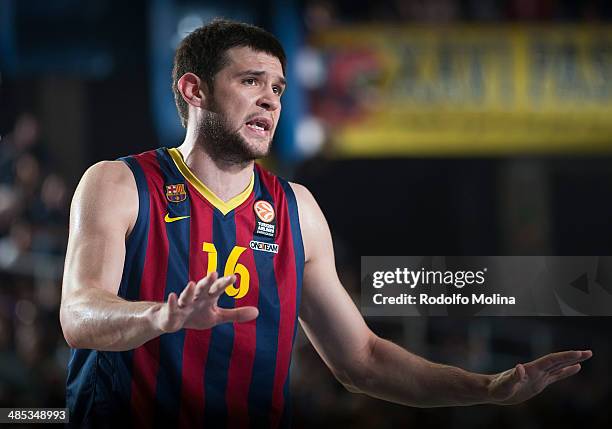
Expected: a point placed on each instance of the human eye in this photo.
(277, 90)
(250, 81)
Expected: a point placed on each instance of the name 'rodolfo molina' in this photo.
(455, 299)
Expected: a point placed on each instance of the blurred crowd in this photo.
(33, 234)
(324, 13)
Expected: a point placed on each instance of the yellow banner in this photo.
(465, 90)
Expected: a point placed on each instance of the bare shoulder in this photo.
(309, 211)
(103, 172)
(107, 192)
(305, 200)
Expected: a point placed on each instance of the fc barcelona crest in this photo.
(176, 193)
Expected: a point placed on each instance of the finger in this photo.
(204, 284)
(562, 373)
(240, 315)
(566, 369)
(578, 356)
(219, 286)
(186, 295)
(172, 302)
(174, 319)
(553, 361)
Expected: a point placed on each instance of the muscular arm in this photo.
(366, 363)
(103, 212)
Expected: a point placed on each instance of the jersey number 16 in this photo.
(231, 267)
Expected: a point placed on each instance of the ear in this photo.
(193, 89)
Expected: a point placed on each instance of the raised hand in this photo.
(196, 307)
(527, 380)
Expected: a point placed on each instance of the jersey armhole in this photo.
(139, 230)
(294, 218)
(136, 243)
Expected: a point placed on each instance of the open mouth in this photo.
(259, 125)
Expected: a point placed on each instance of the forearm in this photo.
(96, 319)
(397, 375)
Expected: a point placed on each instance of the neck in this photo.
(225, 180)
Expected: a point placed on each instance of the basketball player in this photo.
(187, 270)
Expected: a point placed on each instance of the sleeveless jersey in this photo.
(235, 374)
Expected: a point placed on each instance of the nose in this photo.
(268, 100)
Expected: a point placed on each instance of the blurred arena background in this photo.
(423, 127)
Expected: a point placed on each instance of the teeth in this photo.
(257, 127)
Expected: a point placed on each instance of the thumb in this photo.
(240, 314)
(519, 373)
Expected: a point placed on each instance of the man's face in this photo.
(244, 107)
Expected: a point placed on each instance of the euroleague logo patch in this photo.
(265, 218)
(264, 211)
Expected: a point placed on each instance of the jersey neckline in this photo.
(223, 206)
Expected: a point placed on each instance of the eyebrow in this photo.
(260, 73)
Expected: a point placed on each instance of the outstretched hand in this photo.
(196, 307)
(527, 380)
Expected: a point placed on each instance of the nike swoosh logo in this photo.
(169, 219)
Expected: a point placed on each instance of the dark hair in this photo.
(203, 52)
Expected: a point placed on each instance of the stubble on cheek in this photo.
(225, 143)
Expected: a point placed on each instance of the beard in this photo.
(222, 142)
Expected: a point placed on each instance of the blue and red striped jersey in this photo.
(235, 374)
